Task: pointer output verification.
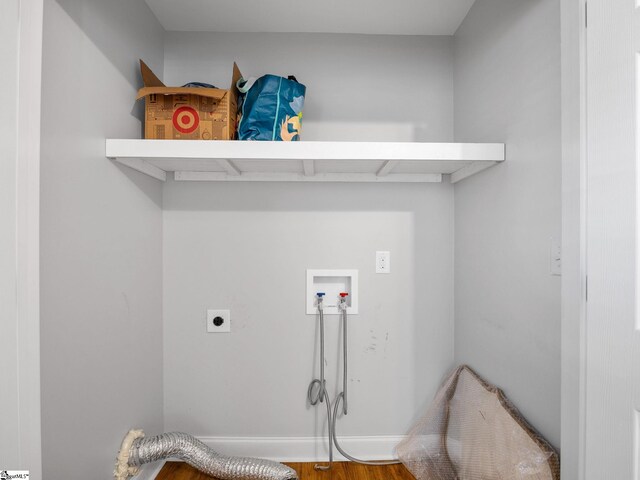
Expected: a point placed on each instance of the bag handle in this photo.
(246, 84)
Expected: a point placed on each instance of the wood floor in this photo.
(340, 471)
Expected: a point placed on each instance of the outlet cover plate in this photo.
(225, 327)
(383, 262)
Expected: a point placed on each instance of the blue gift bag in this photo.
(270, 108)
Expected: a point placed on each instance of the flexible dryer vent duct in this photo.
(136, 450)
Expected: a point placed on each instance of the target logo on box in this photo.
(186, 119)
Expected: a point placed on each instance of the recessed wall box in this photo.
(332, 283)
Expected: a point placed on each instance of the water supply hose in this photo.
(341, 399)
(320, 394)
(320, 383)
(136, 450)
(342, 396)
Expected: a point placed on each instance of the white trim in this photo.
(28, 234)
(305, 449)
(636, 444)
(573, 404)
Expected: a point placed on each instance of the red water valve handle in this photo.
(344, 294)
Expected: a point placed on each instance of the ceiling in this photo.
(391, 17)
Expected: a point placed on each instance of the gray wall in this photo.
(9, 401)
(397, 81)
(101, 231)
(507, 305)
(246, 247)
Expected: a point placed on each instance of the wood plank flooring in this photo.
(340, 471)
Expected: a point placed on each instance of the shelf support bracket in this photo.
(309, 168)
(387, 167)
(142, 166)
(229, 167)
(469, 170)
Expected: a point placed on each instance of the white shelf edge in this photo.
(225, 149)
(140, 155)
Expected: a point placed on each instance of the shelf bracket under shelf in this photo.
(387, 167)
(309, 167)
(229, 166)
(471, 169)
(143, 166)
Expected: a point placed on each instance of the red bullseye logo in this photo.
(186, 120)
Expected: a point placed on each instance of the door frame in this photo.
(27, 363)
(574, 228)
(573, 34)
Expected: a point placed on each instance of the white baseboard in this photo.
(305, 449)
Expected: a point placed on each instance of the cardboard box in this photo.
(179, 113)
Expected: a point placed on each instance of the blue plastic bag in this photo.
(271, 108)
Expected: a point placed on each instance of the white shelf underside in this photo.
(197, 160)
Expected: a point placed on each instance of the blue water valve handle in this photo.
(320, 294)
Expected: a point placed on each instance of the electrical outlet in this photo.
(383, 262)
(218, 321)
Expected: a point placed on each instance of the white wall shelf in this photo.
(200, 160)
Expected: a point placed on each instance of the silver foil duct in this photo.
(192, 451)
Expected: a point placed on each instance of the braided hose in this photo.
(138, 450)
(317, 391)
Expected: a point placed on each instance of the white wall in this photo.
(9, 401)
(401, 82)
(246, 247)
(101, 234)
(507, 305)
